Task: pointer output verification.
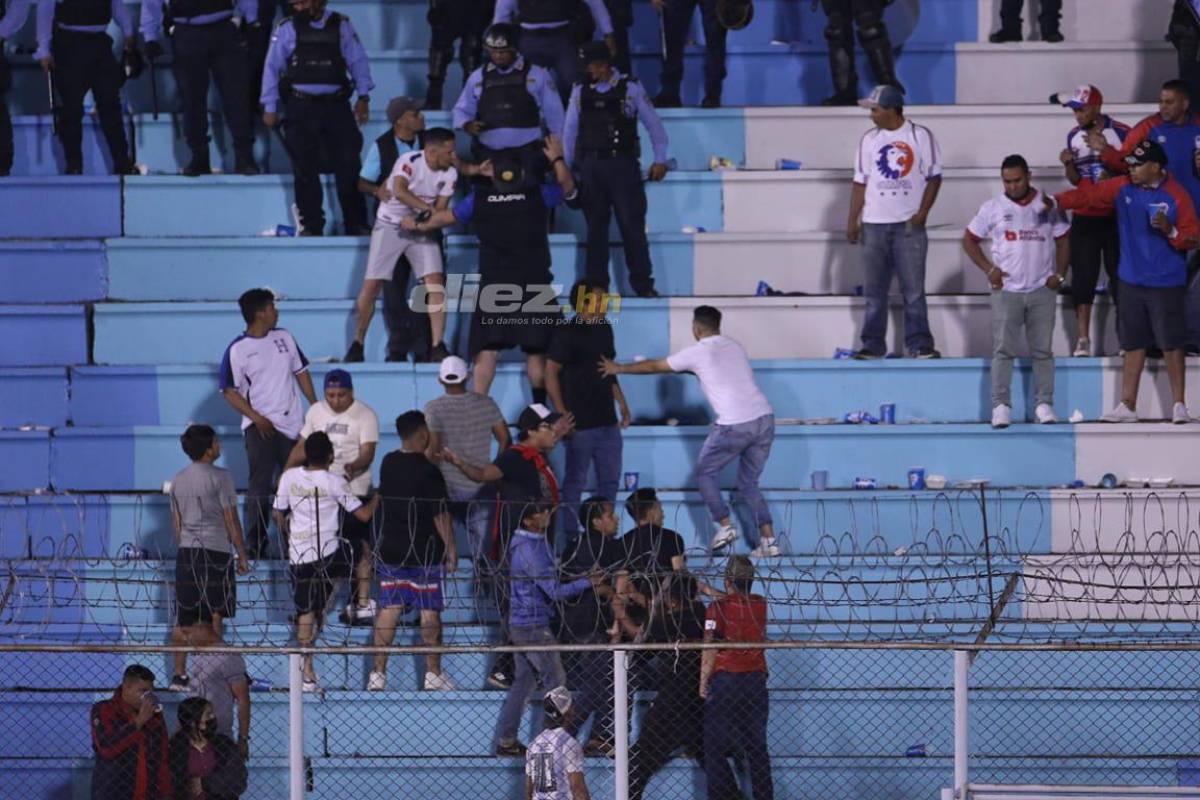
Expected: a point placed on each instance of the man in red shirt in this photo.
(733, 684)
(129, 737)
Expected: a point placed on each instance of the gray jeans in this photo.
(1033, 311)
(544, 666)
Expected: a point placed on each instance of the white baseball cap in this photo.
(453, 370)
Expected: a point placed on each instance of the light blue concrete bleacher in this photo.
(34, 396)
(36, 208)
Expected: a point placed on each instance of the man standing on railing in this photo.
(733, 684)
(129, 738)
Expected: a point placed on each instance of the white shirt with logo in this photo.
(427, 184)
(895, 166)
(551, 757)
(264, 371)
(313, 497)
(1022, 236)
(348, 431)
(726, 378)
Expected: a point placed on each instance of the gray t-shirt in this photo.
(464, 423)
(200, 493)
(213, 677)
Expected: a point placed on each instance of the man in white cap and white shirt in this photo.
(744, 428)
(554, 760)
(465, 422)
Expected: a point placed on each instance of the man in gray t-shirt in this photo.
(465, 422)
(220, 678)
(209, 535)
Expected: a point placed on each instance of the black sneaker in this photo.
(355, 354)
(73, 169)
(1054, 37)
(247, 167)
(311, 232)
(499, 680)
(514, 749)
(649, 294)
(666, 100)
(438, 352)
(711, 101)
(179, 683)
(197, 167)
(865, 355)
(840, 99)
(1191, 351)
(395, 358)
(1003, 37)
(927, 352)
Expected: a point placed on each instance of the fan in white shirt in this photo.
(554, 760)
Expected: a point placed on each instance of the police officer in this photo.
(464, 20)
(1184, 34)
(407, 330)
(600, 138)
(547, 38)
(1049, 16)
(677, 24)
(81, 58)
(510, 214)
(506, 103)
(314, 64)
(867, 15)
(11, 21)
(206, 40)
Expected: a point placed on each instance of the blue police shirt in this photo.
(152, 17)
(508, 11)
(283, 44)
(14, 20)
(372, 161)
(636, 104)
(540, 84)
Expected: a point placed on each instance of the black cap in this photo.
(502, 36)
(594, 51)
(534, 416)
(1146, 151)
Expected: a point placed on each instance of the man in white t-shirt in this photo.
(1029, 257)
(307, 504)
(353, 427)
(897, 175)
(744, 427)
(421, 182)
(259, 376)
(554, 760)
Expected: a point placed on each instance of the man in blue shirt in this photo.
(546, 36)
(507, 102)
(75, 45)
(314, 64)
(206, 40)
(600, 139)
(12, 21)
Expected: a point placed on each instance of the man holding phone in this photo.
(129, 737)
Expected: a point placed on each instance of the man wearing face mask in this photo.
(315, 63)
(129, 739)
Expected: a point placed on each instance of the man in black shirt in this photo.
(576, 386)
(652, 552)
(415, 540)
(588, 619)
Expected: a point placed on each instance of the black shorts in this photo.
(357, 532)
(313, 583)
(1152, 316)
(205, 585)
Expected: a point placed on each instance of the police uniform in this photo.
(867, 15)
(1049, 15)
(1184, 34)
(600, 138)
(206, 40)
(313, 67)
(547, 38)
(677, 24)
(450, 20)
(12, 18)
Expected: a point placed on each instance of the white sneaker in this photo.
(438, 683)
(365, 612)
(1083, 348)
(766, 549)
(725, 537)
(310, 686)
(1001, 416)
(1179, 414)
(1122, 413)
(376, 681)
(1045, 414)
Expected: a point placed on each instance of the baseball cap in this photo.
(1084, 95)
(452, 370)
(883, 96)
(397, 107)
(533, 416)
(739, 568)
(557, 701)
(338, 379)
(594, 51)
(1146, 151)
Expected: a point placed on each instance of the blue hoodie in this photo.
(534, 582)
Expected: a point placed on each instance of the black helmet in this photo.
(594, 51)
(502, 36)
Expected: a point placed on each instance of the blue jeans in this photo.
(735, 722)
(748, 442)
(599, 447)
(895, 249)
(530, 667)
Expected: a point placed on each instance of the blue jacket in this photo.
(1148, 257)
(534, 583)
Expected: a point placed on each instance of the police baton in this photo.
(53, 101)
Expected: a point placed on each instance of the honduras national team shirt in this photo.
(1022, 235)
(264, 372)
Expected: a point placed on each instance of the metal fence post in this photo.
(621, 723)
(962, 723)
(295, 728)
